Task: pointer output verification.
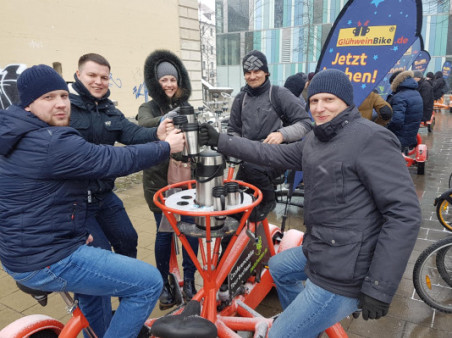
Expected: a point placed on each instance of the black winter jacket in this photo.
(361, 210)
(426, 91)
(44, 176)
(99, 122)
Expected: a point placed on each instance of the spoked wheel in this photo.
(431, 284)
(444, 213)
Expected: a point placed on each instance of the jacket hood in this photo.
(404, 80)
(15, 123)
(152, 82)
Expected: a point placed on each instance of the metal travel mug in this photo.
(234, 195)
(190, 131)
(189, 112)
(179, 121)
(219, 203)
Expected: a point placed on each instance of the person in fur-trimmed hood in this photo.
(168, 85)
(407, 107)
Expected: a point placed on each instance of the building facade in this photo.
(58, 32)
(291, 34)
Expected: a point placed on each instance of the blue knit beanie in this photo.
(331, 81)
(37, 81)
(295, 83)
(255, 60)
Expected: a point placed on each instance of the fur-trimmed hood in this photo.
(152, 83)
(404, 79)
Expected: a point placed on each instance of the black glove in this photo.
(372, 308)
(208, 135)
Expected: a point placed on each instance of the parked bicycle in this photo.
(432, 275)
(443, 205)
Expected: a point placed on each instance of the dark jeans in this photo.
(110, 225)
(261, 177)
(163, 250)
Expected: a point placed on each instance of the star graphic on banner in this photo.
(349, 22)
(331, 50)
(363, 86)
(375, 57)
(376, 2)
(395, 49)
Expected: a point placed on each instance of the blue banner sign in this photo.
(368, 38)
(446, 69)
(421, 62)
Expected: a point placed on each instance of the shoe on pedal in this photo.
(189, 289)
(166, 299)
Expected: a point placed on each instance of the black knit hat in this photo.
(255, 60)
(37, 81)
(331, 81)
(394, 75)
(295, 83)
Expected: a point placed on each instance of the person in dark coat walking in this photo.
(168, 84)
(407, 108)
(45, 170)
(439, 86)
(426, 91)
(361, 212)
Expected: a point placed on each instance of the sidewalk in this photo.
(408, 316)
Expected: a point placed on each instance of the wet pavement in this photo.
(408, 315)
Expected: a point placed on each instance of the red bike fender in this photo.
(421, 153)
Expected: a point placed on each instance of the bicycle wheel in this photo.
(444, 213)
(450, 181)
(429, 282)
(444, 264)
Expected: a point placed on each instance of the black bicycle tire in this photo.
(440, 264)
(450, 181)
(47, 333)
(442, 221)
(417, 278)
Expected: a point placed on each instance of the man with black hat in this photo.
(425, 88)
(361, 211)
(45, 171)
(269, 114)
(296, 84)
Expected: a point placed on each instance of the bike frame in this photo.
(239, 314)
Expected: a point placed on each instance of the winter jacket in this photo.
(99, 122)
(361, 211)
(254, 117)
(150, 114)
(407, 108)
(439, 86)
(375, 102)
(426, 91)
(44, 176)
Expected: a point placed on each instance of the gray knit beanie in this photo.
(418, 73)
(37, 81)
(332, 81)
(255, 60)
(166, 68)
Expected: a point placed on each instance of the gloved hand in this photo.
(208, 135)
(372, 308)
(169, 115)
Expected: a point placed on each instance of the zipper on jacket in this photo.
(74, 208)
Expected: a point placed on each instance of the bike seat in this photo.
(39, 295)
(186, 325)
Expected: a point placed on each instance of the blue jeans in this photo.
(108, 222)
(163, 250)
(95, 272)
(308, 308)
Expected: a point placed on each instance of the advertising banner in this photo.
(368, 38)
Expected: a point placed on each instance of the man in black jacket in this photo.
(425, 88)
(361, 210)
(98, 120)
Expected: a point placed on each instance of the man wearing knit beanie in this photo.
(296, 84)
(46, 168)
(270, 114)
(356, 221)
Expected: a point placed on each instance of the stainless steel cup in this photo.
(234, 195)
(190, 131)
